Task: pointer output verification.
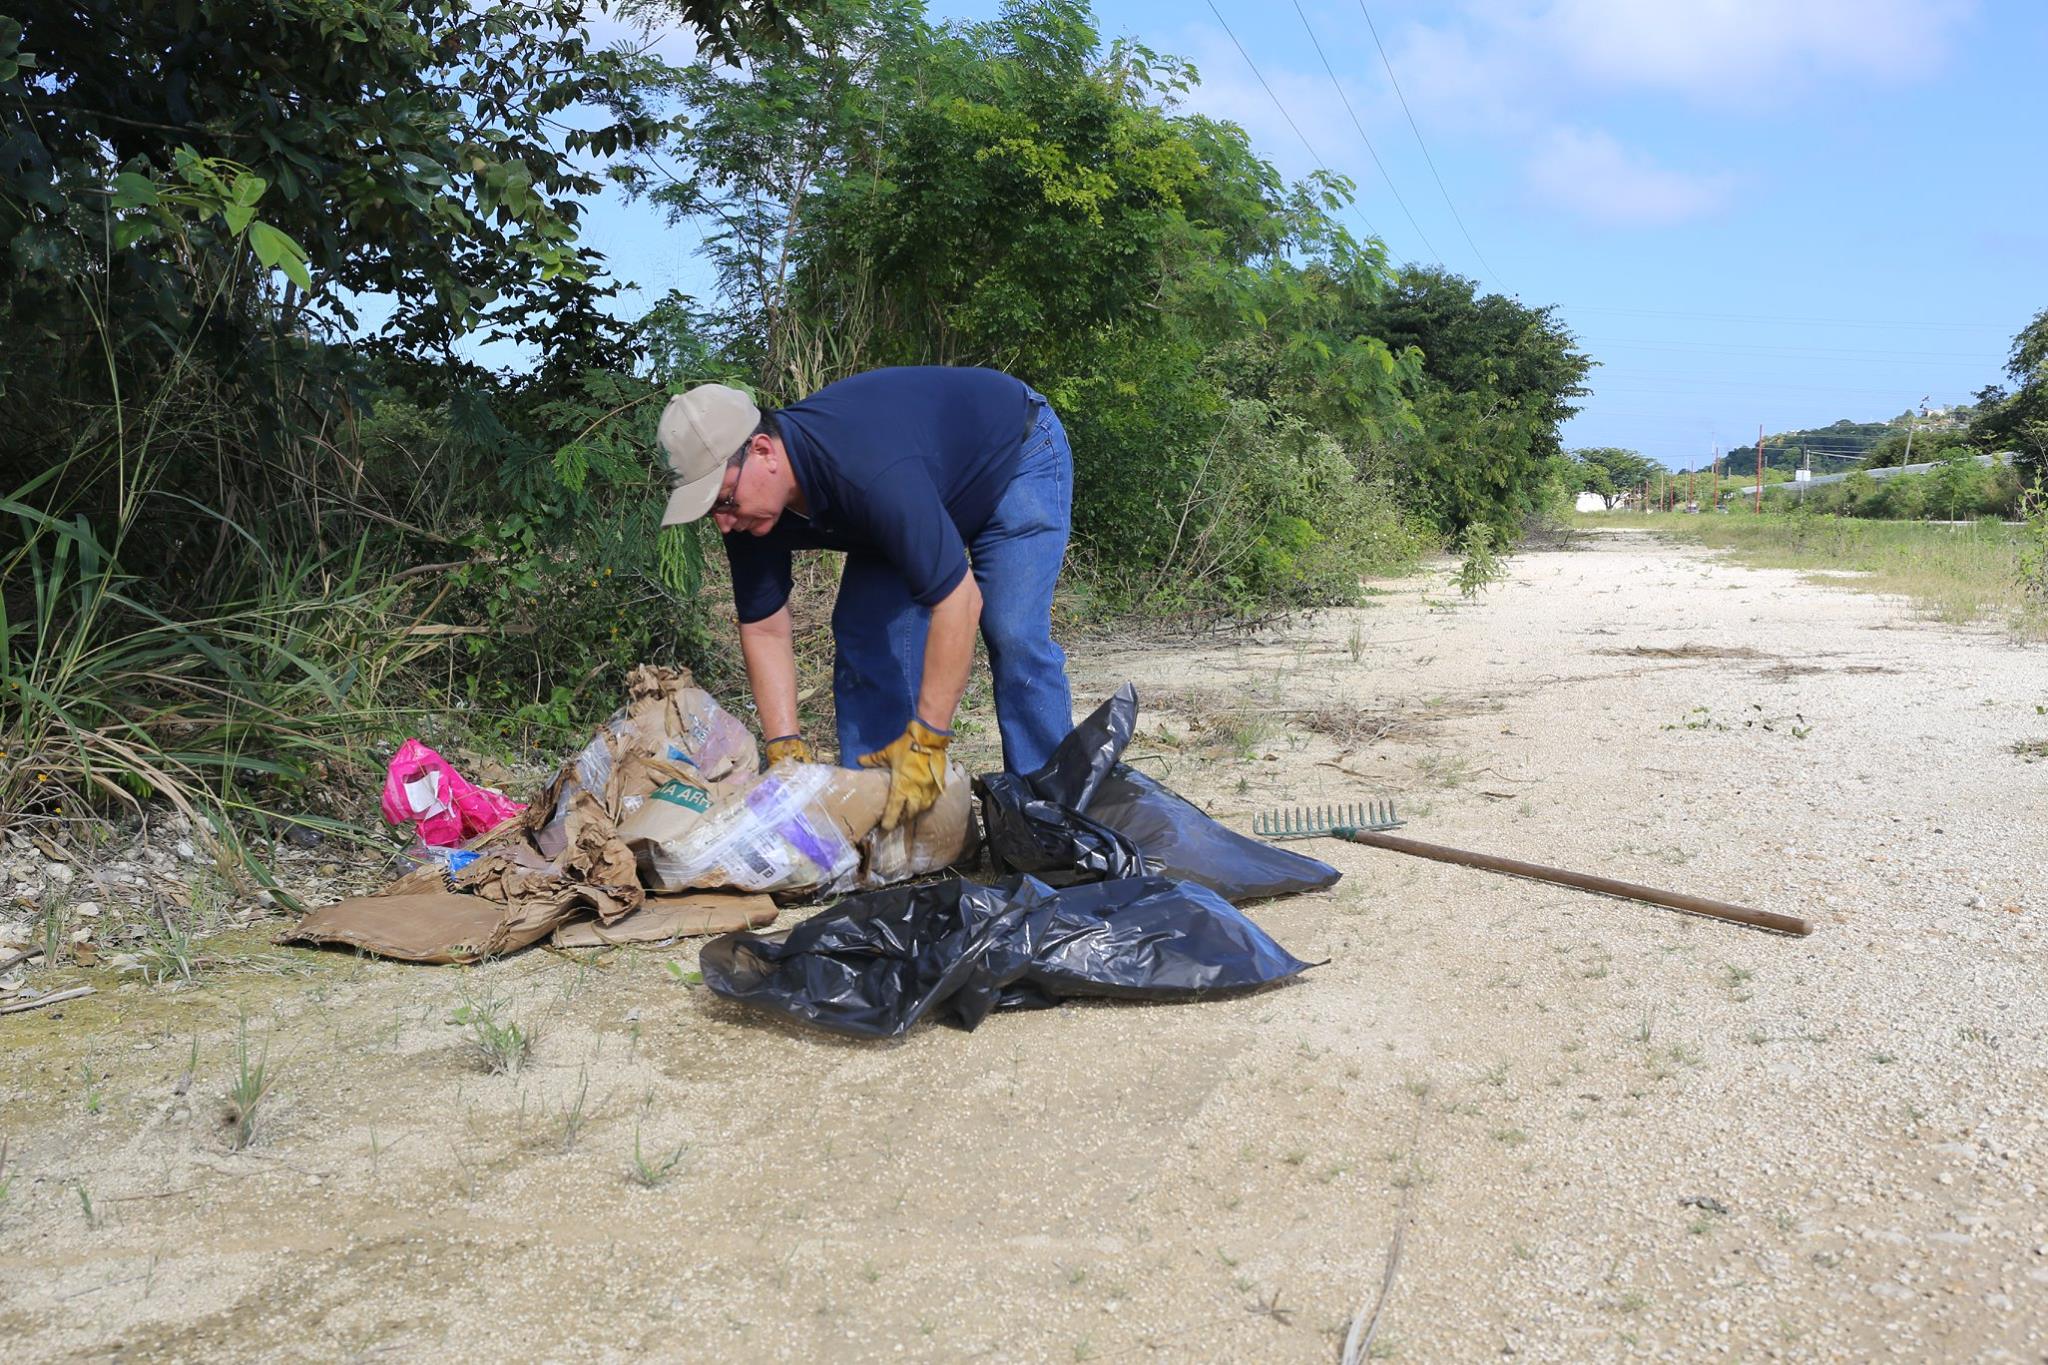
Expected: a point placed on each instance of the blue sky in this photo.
(1776, 212)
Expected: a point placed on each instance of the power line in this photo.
(1456, 217)
(1289, 117)
(1372, 151)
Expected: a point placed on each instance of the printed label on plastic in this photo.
(684, 795)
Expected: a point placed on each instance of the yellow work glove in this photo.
(917, 771)
(788, 746)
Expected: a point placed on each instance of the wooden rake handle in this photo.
(1606, 886)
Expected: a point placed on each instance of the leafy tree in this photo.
(1497, 379)
(1611, 471)
(2019, 422)
(1954, 484)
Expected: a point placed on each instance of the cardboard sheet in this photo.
(429, 926)
(661, 918)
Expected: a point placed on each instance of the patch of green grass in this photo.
(1242, 734)
(168, 954)
(93, 1218)
(652, 1173)
(503, 1045)
(250, 1086)
(1956, 574)
(576, 1114)
(53, 934)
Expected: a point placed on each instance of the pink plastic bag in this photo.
(420, 786)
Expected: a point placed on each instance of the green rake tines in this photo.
(1322, 822)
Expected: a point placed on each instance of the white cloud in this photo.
(1705, 47)
(1588, 173)
(1540, 53)
(1537, 78)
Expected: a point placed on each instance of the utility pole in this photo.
(1717, 477)
(1912, 421)
(1760, 469)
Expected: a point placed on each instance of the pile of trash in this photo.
(1146, 910)
(662, 825)
(1109, 883)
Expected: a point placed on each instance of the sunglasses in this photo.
(730, 502)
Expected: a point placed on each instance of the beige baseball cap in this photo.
(700, 431)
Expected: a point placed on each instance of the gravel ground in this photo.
(1602, 1131)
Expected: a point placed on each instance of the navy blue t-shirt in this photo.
(906, 464)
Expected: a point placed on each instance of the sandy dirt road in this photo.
(1609, 1132)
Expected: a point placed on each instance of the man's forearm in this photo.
(948, 654)
(771, 670)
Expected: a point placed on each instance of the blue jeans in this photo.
(879, 632)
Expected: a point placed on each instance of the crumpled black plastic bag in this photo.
(1085, 812)
(874, 964)
(1029, 834)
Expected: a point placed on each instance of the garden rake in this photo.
(1368, 822)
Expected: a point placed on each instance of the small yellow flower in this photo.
(42, 777)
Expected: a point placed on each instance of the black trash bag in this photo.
(1181, 842)
(1028, 834)
(874, 964)
(1088, 753)
(1060, 822)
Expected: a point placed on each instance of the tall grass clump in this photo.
(111, 696)
(248, 1088)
